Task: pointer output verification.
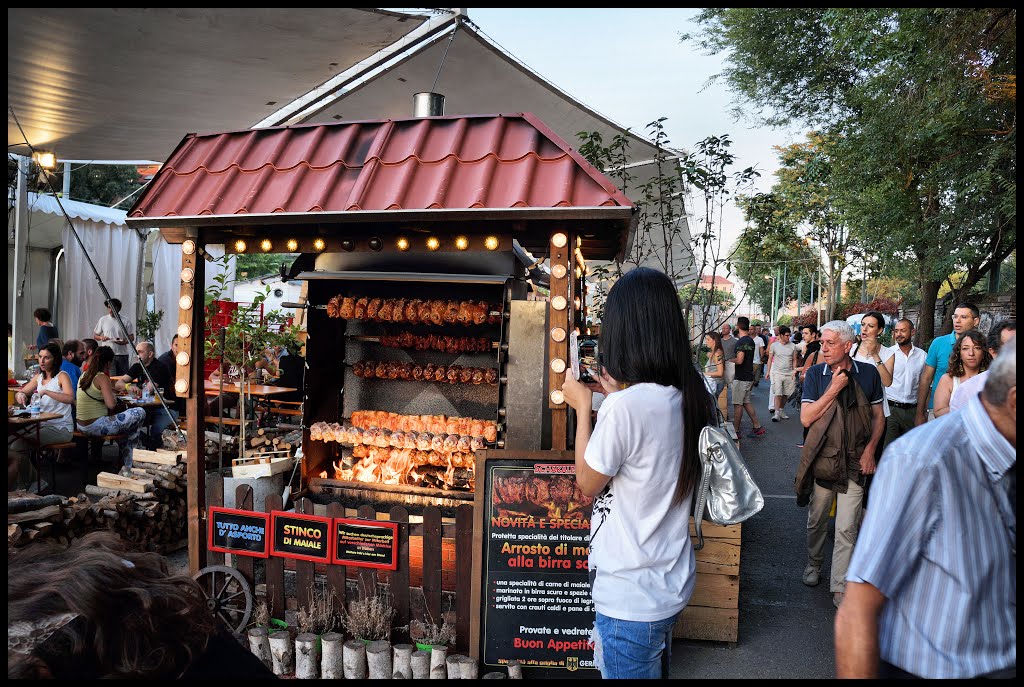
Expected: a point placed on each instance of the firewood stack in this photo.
(274, 442)
(147, 508)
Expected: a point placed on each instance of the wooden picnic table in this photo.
(213, 389)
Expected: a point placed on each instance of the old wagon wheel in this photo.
(228, 595)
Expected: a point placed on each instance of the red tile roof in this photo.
(706, 279)
(436, 163)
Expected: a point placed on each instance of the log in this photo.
(399, 675)
(20, 505)
(13, 534)
(420, 665)
(32, 515)
(468, 668)
(331, 667)
(282, 652)
(494, 676)
(453, 664)
(402, 659)
(438, 669)
(259, 645)
(354, 660)
(515, 670)
(307, 657)
(378, 660)
(112, 481)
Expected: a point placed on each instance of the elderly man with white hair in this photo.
(933, 583)
(845, 425)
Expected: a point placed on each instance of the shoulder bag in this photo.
(726, 493)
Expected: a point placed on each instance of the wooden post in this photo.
(195, 317)
(259, 644)
(307, 657)
(559, 327)
(282, 652)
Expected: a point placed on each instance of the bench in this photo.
(214, 420)
(95, 443)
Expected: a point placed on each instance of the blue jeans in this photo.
(631, 649)
(161, 421)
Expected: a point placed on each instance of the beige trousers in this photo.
(848, 517)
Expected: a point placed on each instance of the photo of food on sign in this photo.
(525, 493)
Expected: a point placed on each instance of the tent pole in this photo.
(19, 323)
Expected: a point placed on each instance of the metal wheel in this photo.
(228, 595)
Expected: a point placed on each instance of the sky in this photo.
(630, 66)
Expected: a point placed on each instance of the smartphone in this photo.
(589, 360)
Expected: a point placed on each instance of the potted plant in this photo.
(321, 617)
(148, 326)
(369, 619)
(427, 633)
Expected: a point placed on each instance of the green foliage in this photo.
(698, 295)
(104, 184)
(148, 326)
(885, 306)
(917, 107)
(252, 265)
(248, 334)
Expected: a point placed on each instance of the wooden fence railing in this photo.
(432, 531)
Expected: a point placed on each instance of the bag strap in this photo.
(701, 496)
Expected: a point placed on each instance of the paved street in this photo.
(785, 627)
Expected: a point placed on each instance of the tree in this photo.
(105, 184)
(918, 106)
(251, 265)
(698, 295)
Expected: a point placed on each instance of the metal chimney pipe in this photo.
(427, 105)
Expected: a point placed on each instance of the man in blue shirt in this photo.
(74, 356)
(932, 587)
(966, 317)
(823, 384)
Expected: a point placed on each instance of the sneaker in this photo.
(775, 416)
(800, 445)
(758, 432)
(812, 575)
(782, 415)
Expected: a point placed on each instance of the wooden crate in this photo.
(713, 611)
(264, 468)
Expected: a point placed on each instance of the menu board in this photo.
(366, 543)
(535, 597)
(305, 537)
(240, 532)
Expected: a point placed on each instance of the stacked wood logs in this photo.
(274, 441)
(146, 506)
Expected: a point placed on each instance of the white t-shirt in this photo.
(758, 350)
(884, 353)
(107, 326)
(640, 542)
(782, 363)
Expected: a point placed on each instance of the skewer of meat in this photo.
(348, 308)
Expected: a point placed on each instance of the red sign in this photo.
(241, 532)
(365, 543)
(304, 537)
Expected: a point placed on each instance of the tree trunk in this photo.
(402, 659)
(355, 660)
(420, 662)
(438, 654)
(925, 331)
(454, 664)
(282, 651)
(378, 658)
(259, 644)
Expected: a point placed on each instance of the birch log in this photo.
(494, 676)
(515, 670)
(378, 659)
(282, 652)
(355, 660)
(331, 660)
(438, 653)
(307, 657)
(420, 662)
(402, 659)
(454, 665)
(468, 668)
(259, 645)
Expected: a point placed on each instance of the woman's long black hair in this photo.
(644, 338)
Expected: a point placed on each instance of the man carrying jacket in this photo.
(845, 424)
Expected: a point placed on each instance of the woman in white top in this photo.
(970, 357)
(641, 462)
(56, 396)
(870, 350)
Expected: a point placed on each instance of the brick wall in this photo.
(994, 308)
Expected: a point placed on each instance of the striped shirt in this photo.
(936, 543)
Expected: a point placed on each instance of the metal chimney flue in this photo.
(427, 104)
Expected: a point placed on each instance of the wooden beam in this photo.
(559, 322)
(195, 409)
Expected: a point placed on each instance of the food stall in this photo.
(426, 342)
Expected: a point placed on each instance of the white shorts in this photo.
(783, 384)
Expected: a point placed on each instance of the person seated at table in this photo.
(169, 361)
(159, 418)
(216, 405)
(55, 396)
(73, 354)
(96, 401)
(90, 346)
(293, 370)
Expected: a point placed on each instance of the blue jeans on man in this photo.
(161, 421)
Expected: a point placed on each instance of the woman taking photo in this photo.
(970, 357)
(55, 396)
(98, 411)
(641, 462)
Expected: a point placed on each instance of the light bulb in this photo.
(182, 358)
(557, 397)
(239, 246)
(558, 303)
(558, 366)
(188, 247)
(559, 240)
(558, 271)
(184, 331)
(292, 245)
(181, 387)
(187, 274)
(491, 243)
(461, 242)
(558, 335)
(185, 302)
(402, 243)
(433, 243)
(266, 246)
(319, 244)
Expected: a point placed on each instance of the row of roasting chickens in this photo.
(383, 438)
(452, 374)
(433, 342)
(412, 310)
(435, 424)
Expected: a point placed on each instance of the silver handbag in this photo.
(726, 494)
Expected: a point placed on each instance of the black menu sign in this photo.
(366, 543)
(305, 537)
(240, 532)
(535, 588)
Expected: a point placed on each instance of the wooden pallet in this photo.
(713, 611)
(263, 466)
